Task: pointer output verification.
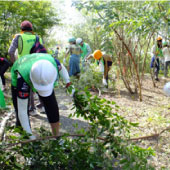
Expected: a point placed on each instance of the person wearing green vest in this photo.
(157, 56)
(23, 42)
(39, 72)
(86, 50)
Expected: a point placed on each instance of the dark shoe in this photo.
(156, 79)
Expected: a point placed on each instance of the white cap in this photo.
(78, 40)
(43, 75)
(167, 89)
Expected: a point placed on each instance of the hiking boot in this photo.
(33, 112)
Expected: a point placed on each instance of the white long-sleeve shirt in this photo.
(166, 53)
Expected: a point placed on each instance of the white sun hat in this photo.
(43, 75)
(78, 40)
(166, 89)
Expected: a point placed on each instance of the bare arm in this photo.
(88, 51)
(89, 57)
(64, 74)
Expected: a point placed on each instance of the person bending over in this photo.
(105, 61)
(39, 72)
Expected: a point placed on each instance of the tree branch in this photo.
(81, 135)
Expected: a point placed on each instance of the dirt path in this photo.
(65, 108)
(152, 114)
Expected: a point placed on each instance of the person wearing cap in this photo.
(39, 72)
(86, 50)
(105, 62)
(166, 54)
(157, 55)
(23, 43)
(74, 62)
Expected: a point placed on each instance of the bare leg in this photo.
(55, 128)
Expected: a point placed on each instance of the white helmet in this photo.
(78, 40)
(43, 75)
(167, 89)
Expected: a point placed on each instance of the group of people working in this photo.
(38, 73)
(78, 51)
(81, 52)
(161, 56)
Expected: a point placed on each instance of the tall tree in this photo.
(41, 13)
(129, 27)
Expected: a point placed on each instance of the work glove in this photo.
(70, 89)
(104, 82)
(68, 84)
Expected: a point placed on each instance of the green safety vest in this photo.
(84, 50)
(24, 64)
(25, 43)
(159, 51)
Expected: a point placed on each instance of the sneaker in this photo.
(33, 112)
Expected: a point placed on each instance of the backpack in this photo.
(37, 47)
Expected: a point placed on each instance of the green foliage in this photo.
(89, 32)
(104, 145)
(126, 31)
(136, 21)
(12, 13)
(103, 121)
(91, 77)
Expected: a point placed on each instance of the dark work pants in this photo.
(22, 91)
(3, 69)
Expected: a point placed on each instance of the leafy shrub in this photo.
(91, 77)
(105, 145)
